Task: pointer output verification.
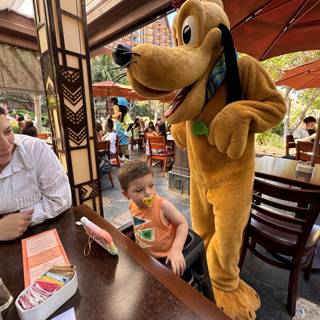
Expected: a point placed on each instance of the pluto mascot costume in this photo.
(223, 100)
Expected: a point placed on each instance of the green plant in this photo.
(103, 68)
(270, 139)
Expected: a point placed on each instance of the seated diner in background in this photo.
(33, 184)
(29, 129)
(110, 136)
(307, 131)
(99, 131)
(161, 127)
(151, 130)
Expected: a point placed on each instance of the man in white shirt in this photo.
(307, 131)
(33, 184)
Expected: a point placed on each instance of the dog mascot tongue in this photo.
(222, 101)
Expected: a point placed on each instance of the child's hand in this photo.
(176, 258)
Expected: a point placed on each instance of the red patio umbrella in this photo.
(109, 89)
(304, 77)
(268, 28)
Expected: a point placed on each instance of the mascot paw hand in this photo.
(239, 304)
(178, 132)
(229, 134)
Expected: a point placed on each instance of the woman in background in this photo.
(29, 129)
(123, 125)
(99, 131)
(151, 130)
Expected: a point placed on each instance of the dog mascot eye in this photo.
(189, 31)
(186, 34)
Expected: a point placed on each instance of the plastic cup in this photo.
(5, 297)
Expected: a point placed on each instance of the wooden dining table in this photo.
(132, 285)
(284, 170)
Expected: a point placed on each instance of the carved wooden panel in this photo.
(62, 35)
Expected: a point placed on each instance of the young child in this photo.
(110, 136)
(159, 227)
(123, 124)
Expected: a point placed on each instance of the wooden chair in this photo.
(158, 151)
(43, 135)
(290, 144)
(103, 148)
(304, 151)
(289, 242)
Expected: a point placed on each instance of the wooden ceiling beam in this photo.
(123, 18)
(106, 23)
(17, 30)
(20, 42)
(96, 11)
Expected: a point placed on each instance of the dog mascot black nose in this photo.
(121, 55)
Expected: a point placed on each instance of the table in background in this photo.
(284, 170)
(130, 286)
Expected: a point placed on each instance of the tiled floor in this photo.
(270, 282)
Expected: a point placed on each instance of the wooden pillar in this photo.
(63, 43)
(37, 112)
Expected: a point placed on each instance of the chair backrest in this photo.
(290, 143)
(304, 151)
(277, 207)
(102, 145)
(43, 135)
(157, 145)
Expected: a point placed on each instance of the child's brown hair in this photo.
(109, 125)
(132, 170)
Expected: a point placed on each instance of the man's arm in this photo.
(54, 187)
(298, 136)
(175, 256)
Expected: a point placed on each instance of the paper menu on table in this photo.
(67, 315)
(39, 253)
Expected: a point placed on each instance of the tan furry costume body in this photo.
(222, 163)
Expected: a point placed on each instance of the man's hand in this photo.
(312, 137)
(14, 225)
(178, 263)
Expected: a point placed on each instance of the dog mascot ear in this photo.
(222, 101)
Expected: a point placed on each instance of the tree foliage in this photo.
(148, 108)
(299, 103)
(277, 65)
(103, 68)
